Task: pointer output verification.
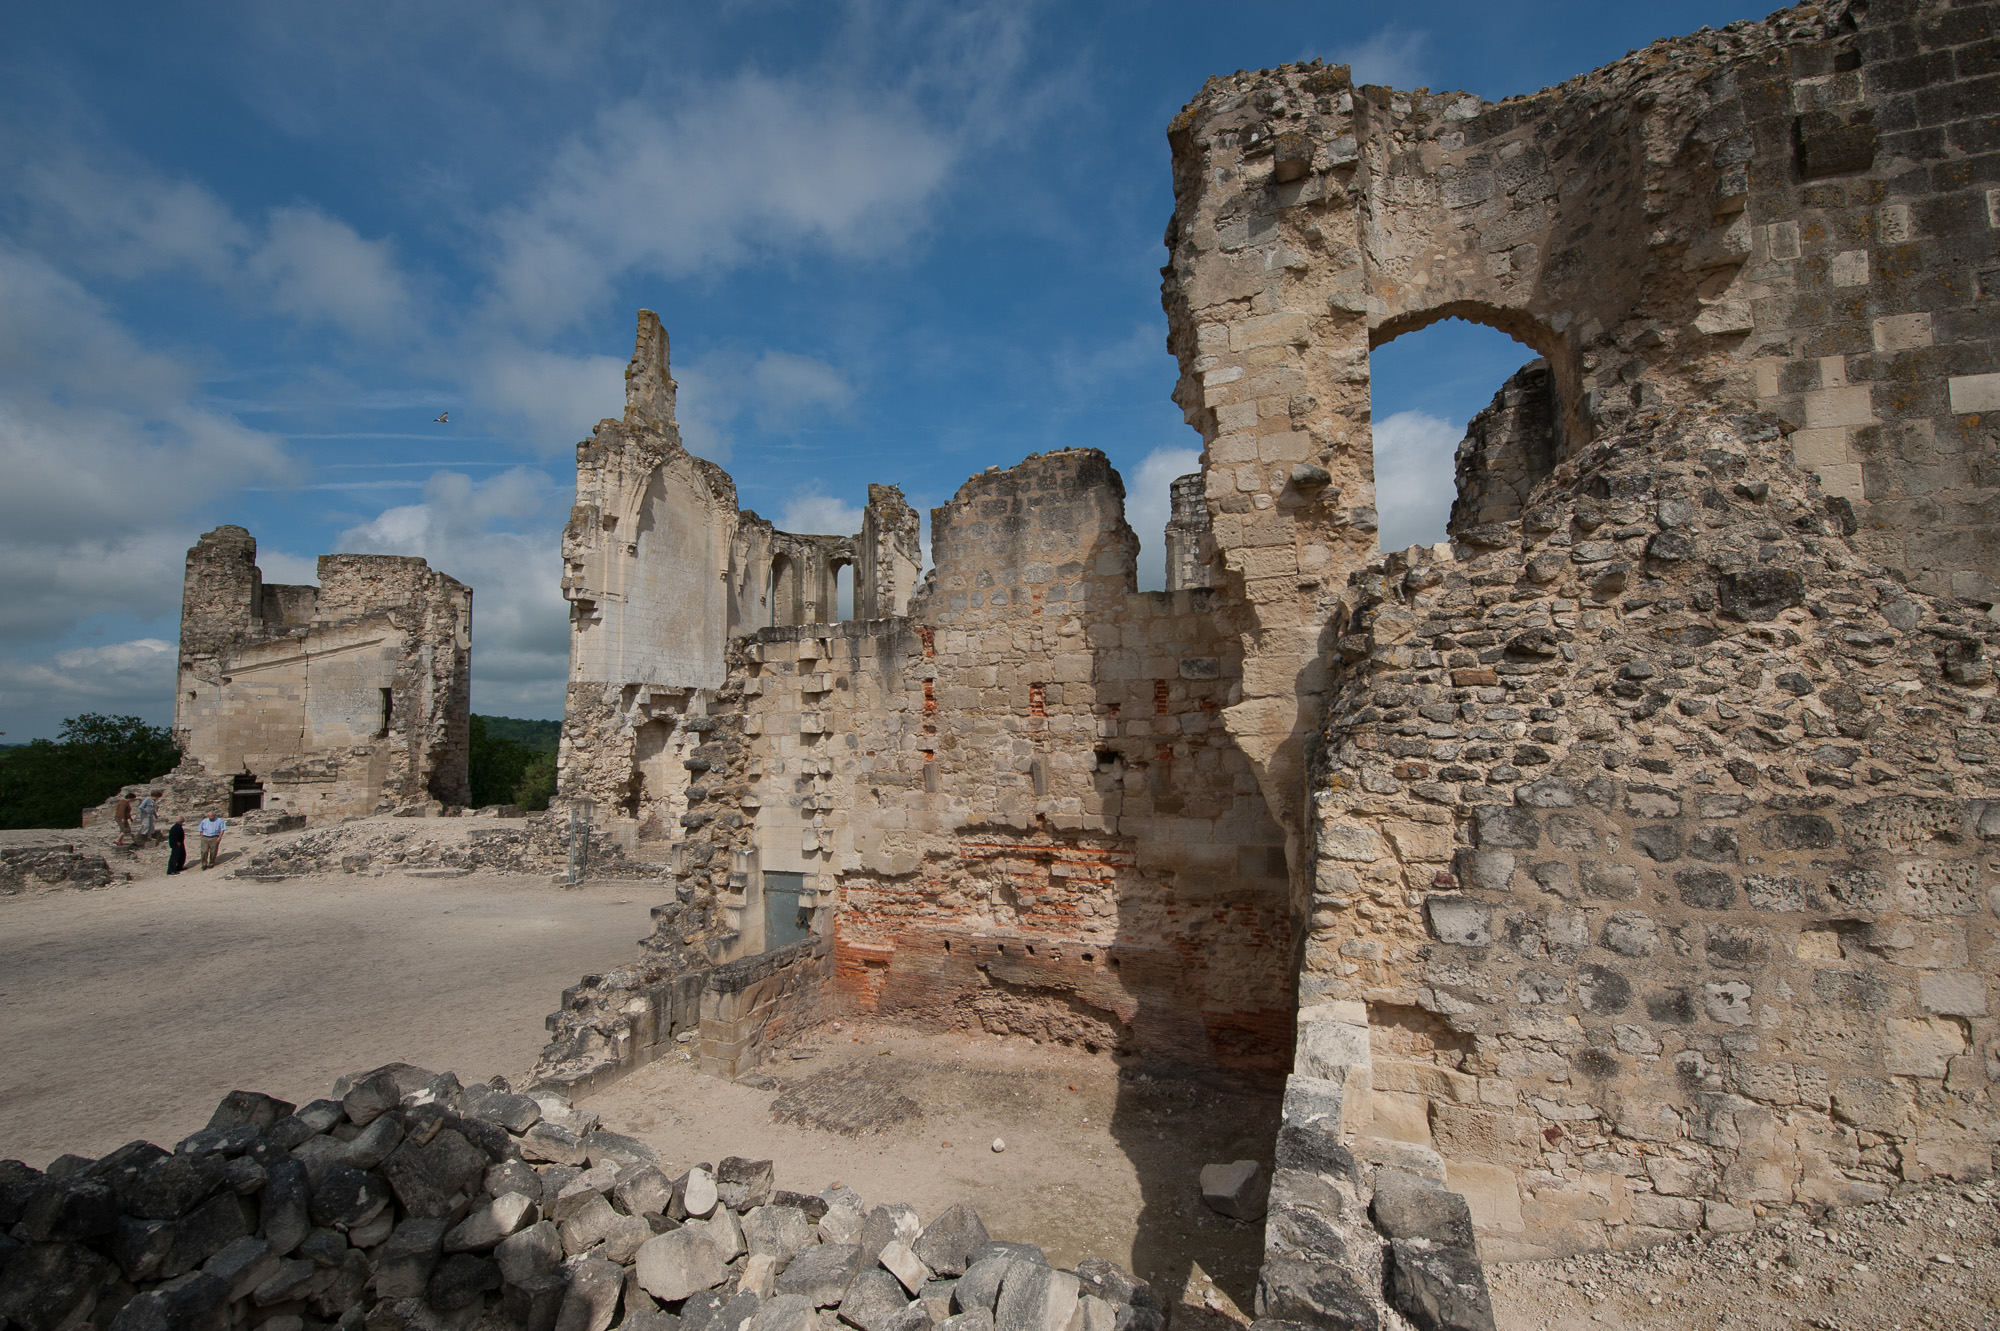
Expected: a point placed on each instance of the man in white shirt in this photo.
(211, 829)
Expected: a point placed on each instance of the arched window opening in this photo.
(1465, 421)
(843, 592)
(784, 591)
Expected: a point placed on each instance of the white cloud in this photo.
(120, 678)
(104, 456)
(500, 537)
(561, 397)
(316, 267)
(1393, 57)
(302, 263)
(778, 389)
(1414, 477)
(751, 166)
(136, 223)
(1148, 505)
(819, 515)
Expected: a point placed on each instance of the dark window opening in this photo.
(246, 793)
(388, 710)
(786, 918)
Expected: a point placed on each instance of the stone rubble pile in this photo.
(26, 867)
(407, 1202)
(441, 847)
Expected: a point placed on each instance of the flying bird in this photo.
(445, 417)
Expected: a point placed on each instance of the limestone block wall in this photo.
(341, 699)
(1653, 880)
(662, 571)
(1796, 211)
(1190, 538)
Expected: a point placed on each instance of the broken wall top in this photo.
(1791, 212)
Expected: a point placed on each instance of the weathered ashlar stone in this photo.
(1614, 828)
(346, 698)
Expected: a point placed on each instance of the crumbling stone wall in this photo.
(1651, 880)
(1508, 447)
(1792, 215)
(348, 698)
(662, 571)
(1011, 808)
(1795, 212)
(1011, 811)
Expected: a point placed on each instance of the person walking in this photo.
(124, 815)
(149, 809)
(177, 847)
(211, 829)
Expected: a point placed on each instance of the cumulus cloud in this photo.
(778, 390)
(753, 165)
(815, 514)
(1148, 505)
(105, 454)
(315, 267)
(1393, 57)
(121, 678)
(501, 537)
(300, 262)
(133, 223)
(1414, 487)
(560, 398)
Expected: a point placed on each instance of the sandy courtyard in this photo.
(129, 1011)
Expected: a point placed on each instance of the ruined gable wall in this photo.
(1014, 809)
(293, 685)
(1793, 212)
(1651, 881)
(662, 571)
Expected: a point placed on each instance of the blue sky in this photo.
(248, 252)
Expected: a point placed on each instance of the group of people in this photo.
(210, 829)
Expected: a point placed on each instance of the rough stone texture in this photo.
(1008, 807)
(27, 867)
(346, 698)
(1614, 868)
(437, 1233)
(1743, 953)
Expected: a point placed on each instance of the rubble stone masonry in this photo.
(1622, 865)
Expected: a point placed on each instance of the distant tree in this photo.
(539, 736)
(49, 783)
(538, 784)
(494, 765)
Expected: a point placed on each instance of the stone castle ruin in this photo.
(343, 699)
(1622, 865)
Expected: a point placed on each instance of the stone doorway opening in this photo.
(246, 792)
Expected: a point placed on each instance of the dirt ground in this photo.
(128, 1011)
(1927, 1258)
(1099, 1160)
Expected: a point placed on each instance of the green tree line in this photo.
(50, 782)
(512, 761)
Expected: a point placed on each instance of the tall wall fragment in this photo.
(997, 798)
(1794, 216)
(1793, 212)
(346, 698)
